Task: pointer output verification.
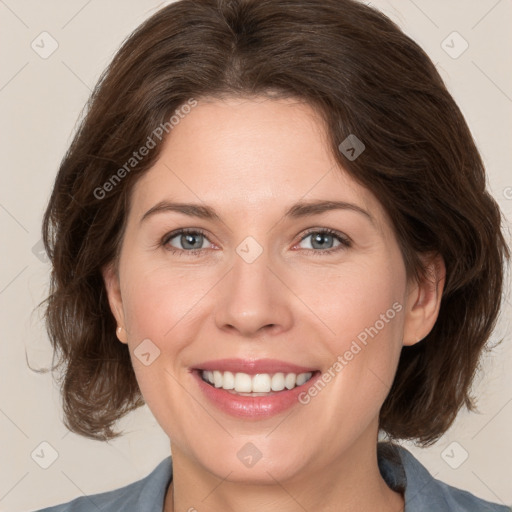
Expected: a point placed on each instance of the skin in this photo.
(251, 159)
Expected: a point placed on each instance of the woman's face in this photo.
(268, 292)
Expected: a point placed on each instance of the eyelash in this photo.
(344, 241)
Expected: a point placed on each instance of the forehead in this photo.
(247, 155)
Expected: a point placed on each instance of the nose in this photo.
(254, 299)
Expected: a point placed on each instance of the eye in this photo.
(323, 240)
(185, 240)
(191, 241)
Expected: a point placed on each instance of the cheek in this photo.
(161, 304)
(158, 299)
(156, 302)
(362, 306)
(357, 302)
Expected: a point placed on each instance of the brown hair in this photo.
(365, 77)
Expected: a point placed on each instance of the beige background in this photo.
(40, 100)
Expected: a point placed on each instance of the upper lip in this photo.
(253, 366)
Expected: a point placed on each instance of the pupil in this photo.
(189, 238)
(320, 238)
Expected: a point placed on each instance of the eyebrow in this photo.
(297, 210)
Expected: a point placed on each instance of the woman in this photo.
(272, 227)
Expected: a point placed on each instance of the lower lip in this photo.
(253, 407)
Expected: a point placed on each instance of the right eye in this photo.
(191, 241)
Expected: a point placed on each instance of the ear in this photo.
(112, 285)
(424, 300)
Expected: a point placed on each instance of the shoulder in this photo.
(424, 493)
(145, 494)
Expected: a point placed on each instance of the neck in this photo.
(351, 482)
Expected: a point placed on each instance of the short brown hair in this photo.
(365, 77)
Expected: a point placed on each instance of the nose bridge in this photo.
(252, 296)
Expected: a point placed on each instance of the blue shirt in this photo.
(399, 468)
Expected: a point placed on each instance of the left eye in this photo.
(324, 240)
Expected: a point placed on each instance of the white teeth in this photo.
(290, 380)
(259, 383)
(217, 379)
(229, 381)
(302, 378)
(243, 383)
(277, 382)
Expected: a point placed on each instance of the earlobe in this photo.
(121, 334)
(112, 286)
(424, 300)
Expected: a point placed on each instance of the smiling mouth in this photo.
(260, 384)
